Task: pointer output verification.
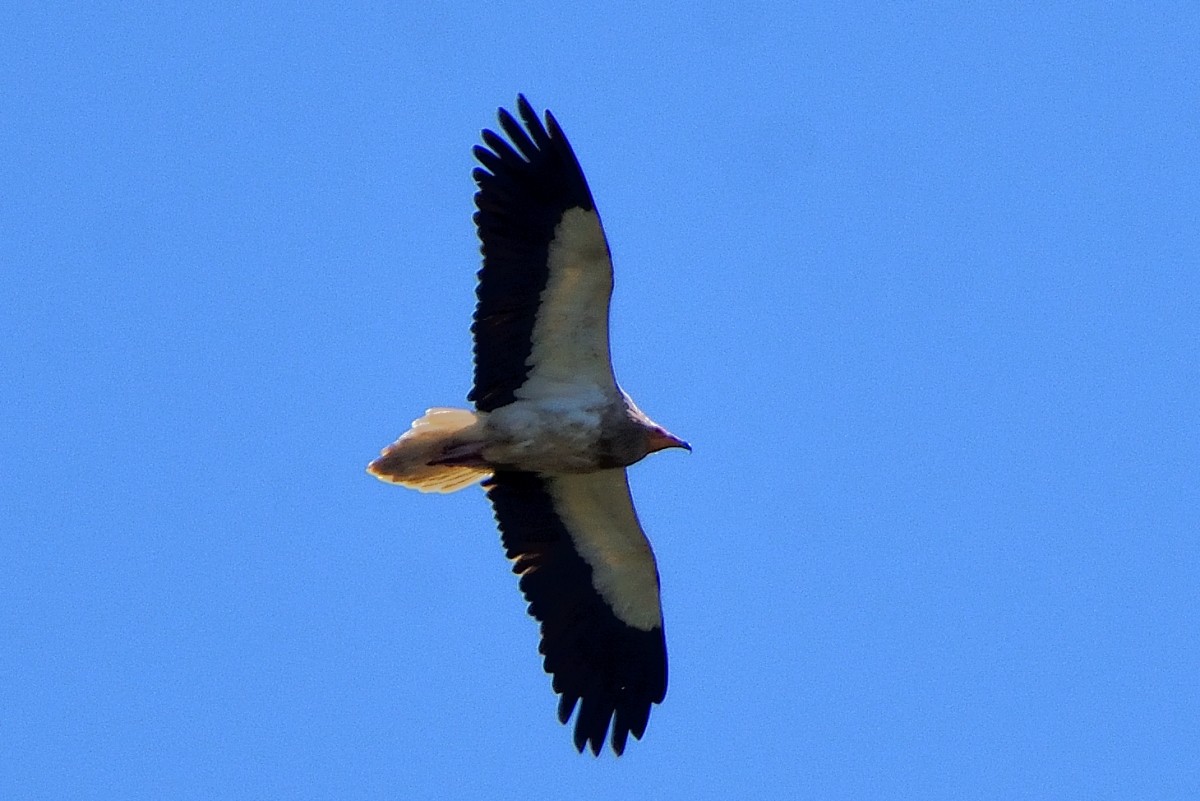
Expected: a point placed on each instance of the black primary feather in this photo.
(526, 184)
(611, 671)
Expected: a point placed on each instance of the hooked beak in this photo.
(661, 439)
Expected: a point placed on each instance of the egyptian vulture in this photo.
(552, 433)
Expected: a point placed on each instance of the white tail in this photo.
(441, 434)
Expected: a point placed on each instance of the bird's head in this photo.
(653, 436)
(658, 438)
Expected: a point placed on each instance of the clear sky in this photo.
(919, 283)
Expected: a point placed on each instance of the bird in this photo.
(552, 432)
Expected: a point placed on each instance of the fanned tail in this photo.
(440, 453)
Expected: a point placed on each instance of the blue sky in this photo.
(919, 284)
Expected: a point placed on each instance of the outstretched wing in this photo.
(590, 578)
(541, 324)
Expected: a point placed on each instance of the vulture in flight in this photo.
(552, 433)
